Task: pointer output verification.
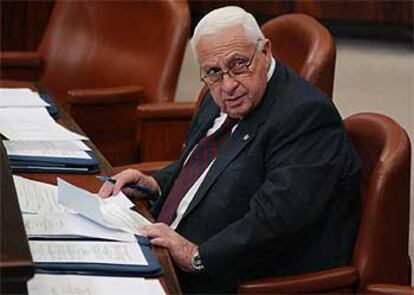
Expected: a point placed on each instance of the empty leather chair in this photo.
(99, 59)
(301, 42)
(298, 41)
(381, 249)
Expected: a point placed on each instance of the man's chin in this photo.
(235, 112)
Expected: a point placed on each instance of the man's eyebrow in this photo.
(234, 56)
(227, 59)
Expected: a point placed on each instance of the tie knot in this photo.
(229, 123)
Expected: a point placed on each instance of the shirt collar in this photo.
(271, 69)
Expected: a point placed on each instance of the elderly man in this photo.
(268, 182)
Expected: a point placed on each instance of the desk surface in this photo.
(16, 261)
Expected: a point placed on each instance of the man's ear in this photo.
(267, 50)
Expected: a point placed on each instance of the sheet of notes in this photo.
(48, 284)
(121, 253)
(20, 97)
(36, 197)
(66, 225)
(112, 212)
(46, 148)
(33, 124)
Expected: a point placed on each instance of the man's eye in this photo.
(239, 63)
(213, 72)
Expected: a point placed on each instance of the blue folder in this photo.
(52, 108)
(54, 164)
(152, 269)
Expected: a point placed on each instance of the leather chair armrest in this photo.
(107, 95)
(162, 128)
(21, 66)
(389, 289)
(145, 167)
(166, 110)
(333, 280)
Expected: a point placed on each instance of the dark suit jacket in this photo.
(282, 196)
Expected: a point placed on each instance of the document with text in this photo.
(36, 197)
(33, 124)
(49, 284)
(113, 212)
(70, 225)
(117, 253)
(45, 148)
(20, 97)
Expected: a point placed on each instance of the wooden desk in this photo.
(16, 264)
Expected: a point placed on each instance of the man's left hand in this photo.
(180, 249)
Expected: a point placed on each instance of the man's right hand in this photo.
(129, 176)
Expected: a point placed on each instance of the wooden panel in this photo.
(16, 265)
(168, 143)
(23, 23)
(359, 11)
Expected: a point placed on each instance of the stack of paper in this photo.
(86, 236)
(35, 141)
(20, 97)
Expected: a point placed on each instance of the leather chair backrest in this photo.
(306, 46)
(91, 44)
(381, 249)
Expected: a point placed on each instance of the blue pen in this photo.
(138, 187)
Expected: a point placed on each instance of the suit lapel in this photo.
(240, 139)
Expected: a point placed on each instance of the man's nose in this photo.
(229, 84)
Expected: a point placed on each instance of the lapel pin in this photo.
(246, 137)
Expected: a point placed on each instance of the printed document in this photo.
(36, 197)
(50, 284)
(113, 212)
(46, 148)
(33, 124)
(87, 252)
(20, 97)
(70, 225)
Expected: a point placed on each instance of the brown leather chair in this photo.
(387, 289)
(297, 40)
(300, 41)
(381, 249)
(98, 58)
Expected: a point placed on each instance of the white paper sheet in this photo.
(33, 124)
(87, 252)
(20, 97)
(113, 212)
(61, 225)
(36, 197)
(44, 148)
(48, 284)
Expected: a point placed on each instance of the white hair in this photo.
(226, 18)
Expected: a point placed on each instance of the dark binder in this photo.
(54, 164)
(153, 268)
(52, 109)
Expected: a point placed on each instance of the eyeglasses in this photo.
(238, 67)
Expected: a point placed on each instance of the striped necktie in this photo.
(199, 160)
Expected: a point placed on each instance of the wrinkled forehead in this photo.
(222, 45)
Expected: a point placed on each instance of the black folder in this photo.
(152, 269)
(54, 164)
